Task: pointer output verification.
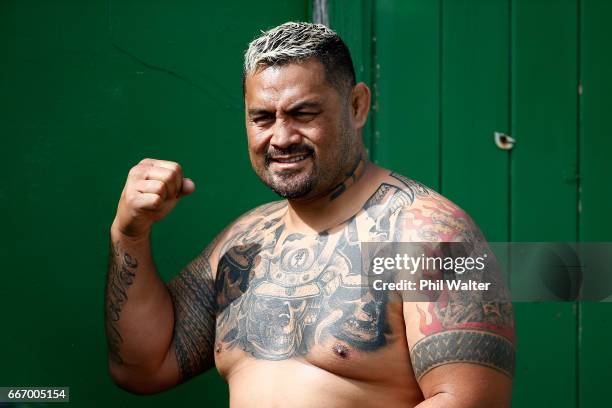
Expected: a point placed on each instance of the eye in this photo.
(262, 119)
(296, 304)
(302, 115)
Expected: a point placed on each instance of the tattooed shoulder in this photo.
(431, 217)
(457, 327)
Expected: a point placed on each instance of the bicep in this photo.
(190, 352)
(462, 344)
(465, 351)
(193, 297)
(462, 385)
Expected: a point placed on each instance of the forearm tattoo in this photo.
(121, 273)
(193, 297)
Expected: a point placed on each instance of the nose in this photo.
(284, 135)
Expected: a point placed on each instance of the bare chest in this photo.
(293, 296)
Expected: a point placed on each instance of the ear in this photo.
(360, 104)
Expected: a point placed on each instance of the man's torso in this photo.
(296, 323)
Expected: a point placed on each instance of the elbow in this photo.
(136, 380)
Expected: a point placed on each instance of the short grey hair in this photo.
(298, 41)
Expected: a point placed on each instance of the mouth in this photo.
(290, 162)
(290, 159)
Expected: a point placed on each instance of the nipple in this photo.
(341, 350)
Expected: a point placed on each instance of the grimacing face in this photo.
(301, 136)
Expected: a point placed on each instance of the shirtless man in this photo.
(276, 302)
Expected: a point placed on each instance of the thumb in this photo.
(188, 187)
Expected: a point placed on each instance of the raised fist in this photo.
(152, 189)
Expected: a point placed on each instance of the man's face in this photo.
(299, 129)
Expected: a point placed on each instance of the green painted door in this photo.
(450, 73)
(595, 147)
(544, 188)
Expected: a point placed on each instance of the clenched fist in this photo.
(152, 189)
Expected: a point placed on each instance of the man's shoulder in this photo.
(257, 220)
(263, 211)
(413, 193)
(245, 229)
(428, 215)
(254, 221)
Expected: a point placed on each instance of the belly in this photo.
(331, 374)
(298, 383)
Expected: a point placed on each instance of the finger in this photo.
(151, 186)
(176, 169)
(164, 175)
(147, 161)
(157, 162)
(188, 187)
(167, 164)
(148, 201)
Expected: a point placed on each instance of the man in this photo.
(276, 301)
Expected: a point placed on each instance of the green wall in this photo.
(88, 89)
(450, 73)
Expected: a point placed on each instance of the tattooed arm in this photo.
(193, 297)
(139, 318)
(461, 347)
(157, 335)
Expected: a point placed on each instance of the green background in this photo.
(88, 88)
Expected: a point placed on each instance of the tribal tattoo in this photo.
(121, 273)
(351, 177)
(193, 297)
(463, 346)
(473, 331)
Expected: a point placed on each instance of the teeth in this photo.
(292, 159)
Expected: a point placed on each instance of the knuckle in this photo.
(169, 177)
(138, 171)
(158, 187)
(134, 171)
(157, 201)
(131, 197)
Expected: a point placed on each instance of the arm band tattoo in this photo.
(463, 346)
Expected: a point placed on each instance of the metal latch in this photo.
(504, 141)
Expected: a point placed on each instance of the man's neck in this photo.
(337, 205)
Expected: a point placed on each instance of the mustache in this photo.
(292, 150)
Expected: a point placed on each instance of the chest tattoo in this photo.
(280, 294)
